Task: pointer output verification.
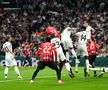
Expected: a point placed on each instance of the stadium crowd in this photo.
(29, 23)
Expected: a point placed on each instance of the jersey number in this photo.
(57, 44)
(83, 37)
(46, 49)
(6, 49)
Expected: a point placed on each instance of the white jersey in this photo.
(66, 39)
(66, 34)
(60, 54)
(83, 36)
(9, 58)
(7, 47)
(56, 42)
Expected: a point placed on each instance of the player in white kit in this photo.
(68, 44)
(83, 37)
(10, 57)
(89, 29)
(60, 55)
(102, 69)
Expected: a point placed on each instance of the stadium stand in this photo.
(27, 20)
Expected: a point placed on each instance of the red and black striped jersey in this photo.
(47, 52)
(92, 48)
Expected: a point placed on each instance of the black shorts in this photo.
(42, 65)
(92, 58)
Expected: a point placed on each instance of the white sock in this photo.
(87, 64)
(68, 66)
(76, 60)
(76, 63)
(67, 56)
(74, 53)
(96, 69)
(6, 71)
(17, 71)
(76, 66)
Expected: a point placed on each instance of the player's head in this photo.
(48, 39)
(8, 38)
(86, 23)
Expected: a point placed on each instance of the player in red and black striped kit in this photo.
(48, 55)
(27, 54)
(92, 49)
(52, 30)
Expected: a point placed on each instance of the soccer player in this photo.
(27, 54)
(48, 56)
(92, 49)
(52, 30)
(83, 37)
(61, 59)
(89, 29)
(10, 57)
(68, 45)
(103, 70)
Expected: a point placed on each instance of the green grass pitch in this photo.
(46, 80)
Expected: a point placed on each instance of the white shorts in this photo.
(60, 54)
(67, 43)
(9, 61)
(82, 50)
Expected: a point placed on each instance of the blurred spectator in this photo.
(28, 24)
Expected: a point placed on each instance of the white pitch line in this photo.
(28, 78)
(9, 80)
